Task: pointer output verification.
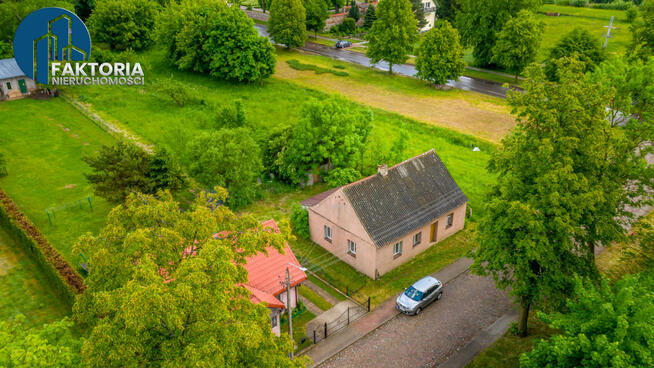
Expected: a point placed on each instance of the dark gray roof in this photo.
(309, 202)
(9, 69)
(411, 195)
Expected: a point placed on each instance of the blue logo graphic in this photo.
(50, 34)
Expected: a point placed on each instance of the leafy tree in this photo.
(447, 10)
(440, 54)
(231, 117)
(342, 176)
(300, 221)
(229, 158)
(605, 327)
(124, 24)
(236, 50)
(287, 23)
(316, 15)
(13, 12)
(182, 94)
(578, 44)
(643, 31)
(337, 4)
(264, 4)
(272, 151)
(479, 22)
(51, 345)
(542, 196)
(328, 132)
(354, 12)
(419, 12)
(6, 50)
(393, 34)
(163, 291)
(349, 26)
(399, 146)
(518, 42)
(369, 17)
(164, 173)
(211, 37)
(84, 8)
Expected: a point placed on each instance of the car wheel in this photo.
(438, 297)
(418, 311)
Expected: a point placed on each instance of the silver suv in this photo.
(419, 295)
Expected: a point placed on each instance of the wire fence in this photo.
(80, 204)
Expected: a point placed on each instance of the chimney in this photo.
(382, 170)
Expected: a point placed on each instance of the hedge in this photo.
(64, 278)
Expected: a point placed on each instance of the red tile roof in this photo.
(267, 272)
(257, 296)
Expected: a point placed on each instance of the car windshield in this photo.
(413, 294)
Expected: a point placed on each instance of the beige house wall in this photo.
(14, 92)
(386, 261)
(336, 212)
(282, 297)
(274, 312)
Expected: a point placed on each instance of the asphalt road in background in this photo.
(464, 83)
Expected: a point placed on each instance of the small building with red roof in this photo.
(267, 278)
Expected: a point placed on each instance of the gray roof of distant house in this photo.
(9, 69)
(318, 197)
(412, 194)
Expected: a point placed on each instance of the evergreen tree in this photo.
(440, 54)
(369, 17)
(579, 44)
(84, 8)
(393, 34)
(518, 42)
(419, 13)
(354, 12)
(447, 10)
(287, 24)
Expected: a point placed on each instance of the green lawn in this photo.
(299, 332)
(591, 19)
(43, 142)
(326, 287)
(314, 298)
(23, 289)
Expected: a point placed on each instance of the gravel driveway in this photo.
(470, 303)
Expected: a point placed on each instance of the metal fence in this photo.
(80, 204)
(329, 328)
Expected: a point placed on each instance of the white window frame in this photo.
(351, 247)
(450, 220)
(328, 232)
(397, 248)
(419, 235)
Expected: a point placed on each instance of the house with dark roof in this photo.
(13, 82)
(384, 220)
(267, 278)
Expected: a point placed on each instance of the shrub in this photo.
(295, 64)
(344, 176)
(631, 13)
(348, 26)
(300, 221)
(124, 24)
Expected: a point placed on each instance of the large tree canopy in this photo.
(164, 292)
(606, 327)
(518, 42)
(480, 21)
(287, 23)
(124, 24)
(578, 44)
(328, 132)
(643, 31)
(440, 54)
(210, 37)
(393, 34)
(316, 15)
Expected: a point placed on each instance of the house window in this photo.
(427, 5)
(397, 249)
(450, 219)
(8, 85)
(352, 248)
(273, 320)
(416, 238)
(328, 233)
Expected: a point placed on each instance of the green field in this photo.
(590, 19)
(23, 289)
(43, 142)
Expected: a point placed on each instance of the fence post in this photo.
(325, 329)
(90, 205)
(348, 290)
(314, 335)
(348, 315)
(368, 304)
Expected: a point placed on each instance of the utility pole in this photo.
(608, 32)
(288, 308)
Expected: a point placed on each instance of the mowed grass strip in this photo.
(23, 289)
(43, 142)
(314, 298)
(467, 112)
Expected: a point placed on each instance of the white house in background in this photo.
(430, 14)
(13, 82)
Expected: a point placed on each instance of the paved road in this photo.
(469, 305)
(464, 83)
